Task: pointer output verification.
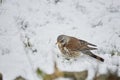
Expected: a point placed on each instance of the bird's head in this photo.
(62, 40)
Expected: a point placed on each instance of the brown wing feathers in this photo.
(79, 45)
(86, 43)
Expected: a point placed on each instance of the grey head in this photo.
(62, 39)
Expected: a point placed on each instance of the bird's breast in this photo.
(68, 53)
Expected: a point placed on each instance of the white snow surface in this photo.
(96, 21)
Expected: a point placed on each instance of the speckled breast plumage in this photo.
(68, 53)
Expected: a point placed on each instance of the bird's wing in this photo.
(86, 43)
(75, 44)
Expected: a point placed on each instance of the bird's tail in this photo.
(94, 56)
(97, 57)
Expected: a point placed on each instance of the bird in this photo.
(71, 47)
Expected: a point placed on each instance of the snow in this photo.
(96, 21)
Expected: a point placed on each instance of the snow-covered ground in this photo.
(39, 22)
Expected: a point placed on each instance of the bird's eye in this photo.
(62, 41)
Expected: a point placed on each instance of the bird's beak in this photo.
(57, 43)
